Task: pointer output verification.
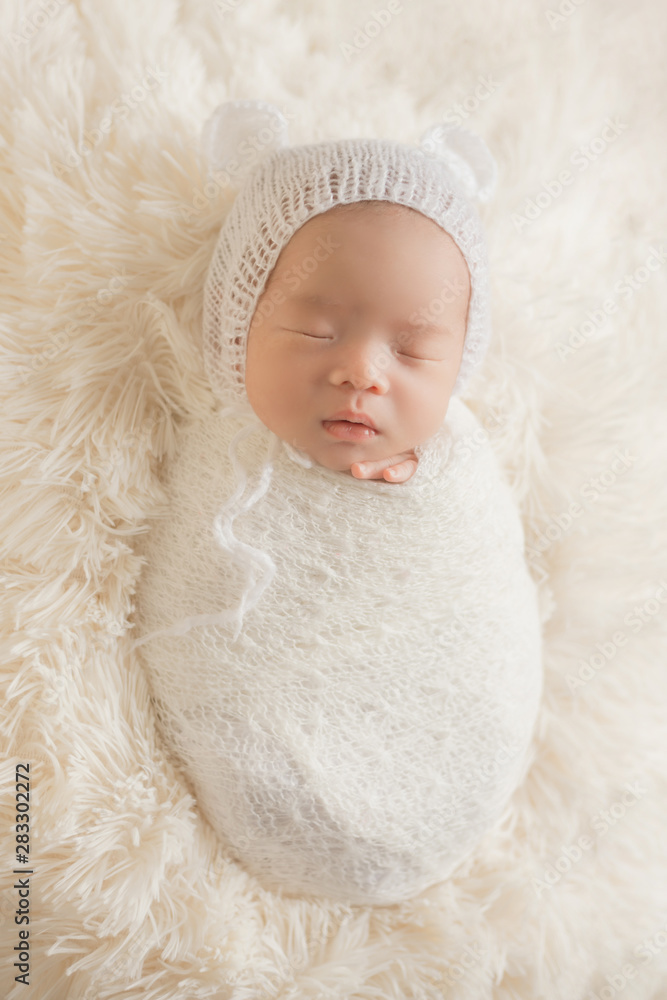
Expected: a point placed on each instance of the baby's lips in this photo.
(348, 430)
(355, 417)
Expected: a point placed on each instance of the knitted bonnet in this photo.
(287, 186)
(280, 189)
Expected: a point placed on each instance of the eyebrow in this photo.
(317, 300)
(422, 327)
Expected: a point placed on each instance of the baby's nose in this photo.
(363, 367)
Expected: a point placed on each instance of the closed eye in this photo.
(307, 333)
(326, 336)
(414, 357)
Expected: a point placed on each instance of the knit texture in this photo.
(295, 184)
(371, 720)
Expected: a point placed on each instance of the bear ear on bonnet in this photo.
(239, 134)
(467, 157)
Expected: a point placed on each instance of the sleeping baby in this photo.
(340, 632)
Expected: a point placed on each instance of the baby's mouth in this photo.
(349, 430)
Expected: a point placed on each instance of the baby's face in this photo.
(365, 311)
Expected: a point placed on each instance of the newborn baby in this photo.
(347, 661)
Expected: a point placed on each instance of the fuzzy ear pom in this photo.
(241, 133)
(467, 157)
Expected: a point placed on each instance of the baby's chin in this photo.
(342, 459)
(335, 458)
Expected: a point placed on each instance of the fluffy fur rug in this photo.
(107, 224)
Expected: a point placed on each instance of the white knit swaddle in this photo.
(375, 713)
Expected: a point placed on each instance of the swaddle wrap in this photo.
(373, 717)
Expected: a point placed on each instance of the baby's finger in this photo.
(400, 473)
(376, 470)
(370, 470)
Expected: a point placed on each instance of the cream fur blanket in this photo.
(107, 226)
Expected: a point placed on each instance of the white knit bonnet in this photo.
(280, 189)
(286, 186)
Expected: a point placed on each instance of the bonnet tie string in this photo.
(244, 555)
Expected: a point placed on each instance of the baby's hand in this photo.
(395, 470)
